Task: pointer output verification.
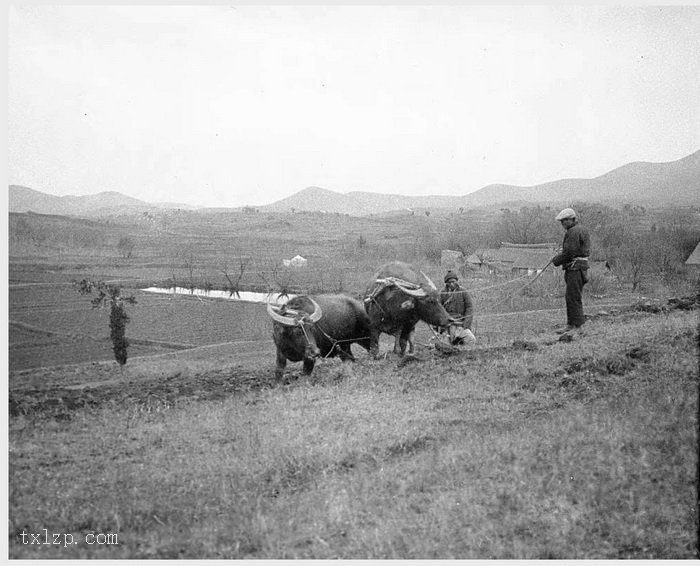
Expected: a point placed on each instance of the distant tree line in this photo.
(636, 242)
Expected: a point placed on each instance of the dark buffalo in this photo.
(397, 298)
(307, 328)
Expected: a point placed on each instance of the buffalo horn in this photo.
(412, 292)
(317, 314)
(279, 318)
(430, 282)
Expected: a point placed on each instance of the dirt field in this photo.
(215, 370)
(523, 446)
(54, 326)
(592, 437)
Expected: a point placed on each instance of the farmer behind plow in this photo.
(573, 259)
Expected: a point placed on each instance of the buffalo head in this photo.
(397, 298)
(293, 332)
(425, 302)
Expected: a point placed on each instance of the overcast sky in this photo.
(226, 106)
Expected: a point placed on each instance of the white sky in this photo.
(226, 106)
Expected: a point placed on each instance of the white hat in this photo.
(566, 213)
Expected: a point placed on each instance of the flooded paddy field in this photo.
(55, 325)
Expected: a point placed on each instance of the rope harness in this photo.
(501, 284)
(510, 296)
(303, 329)
(301, 323)
(526, 284)
(335, 342)
(383, 283)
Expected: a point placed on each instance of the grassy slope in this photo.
(578, 450)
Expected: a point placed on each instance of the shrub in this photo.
(598, 283)
(111, 294)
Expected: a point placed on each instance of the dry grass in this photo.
(521, 448)
(578, 450)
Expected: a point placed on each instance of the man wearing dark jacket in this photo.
(573, 259)
(458, 304)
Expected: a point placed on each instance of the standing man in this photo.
(458, 304)
(573, 259)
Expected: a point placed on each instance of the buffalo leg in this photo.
(365, 343)
(374, 342)
(281, 363)
(404, 339)
(399, 343)
(308, 365)
(411, 337)
(345, 352)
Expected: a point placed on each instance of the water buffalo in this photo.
(324, 326)
(396, 299)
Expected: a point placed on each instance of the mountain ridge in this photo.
(673, 183)
(25, 199)
(639, 182)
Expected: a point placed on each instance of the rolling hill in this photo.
(675, 183)
(358, 203)
(24, 199)
(318, 199)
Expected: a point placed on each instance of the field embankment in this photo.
(519, 448)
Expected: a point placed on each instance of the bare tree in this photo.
(126, 247)
(609, 227)
(632, 260)
(427, 243)
(277, 278)
(188, 257)
(234, 284)
(284, 279)
(529, 225)
(680, 231)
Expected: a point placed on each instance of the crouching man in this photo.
(458, 304)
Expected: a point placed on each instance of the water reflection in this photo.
(247, 296)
